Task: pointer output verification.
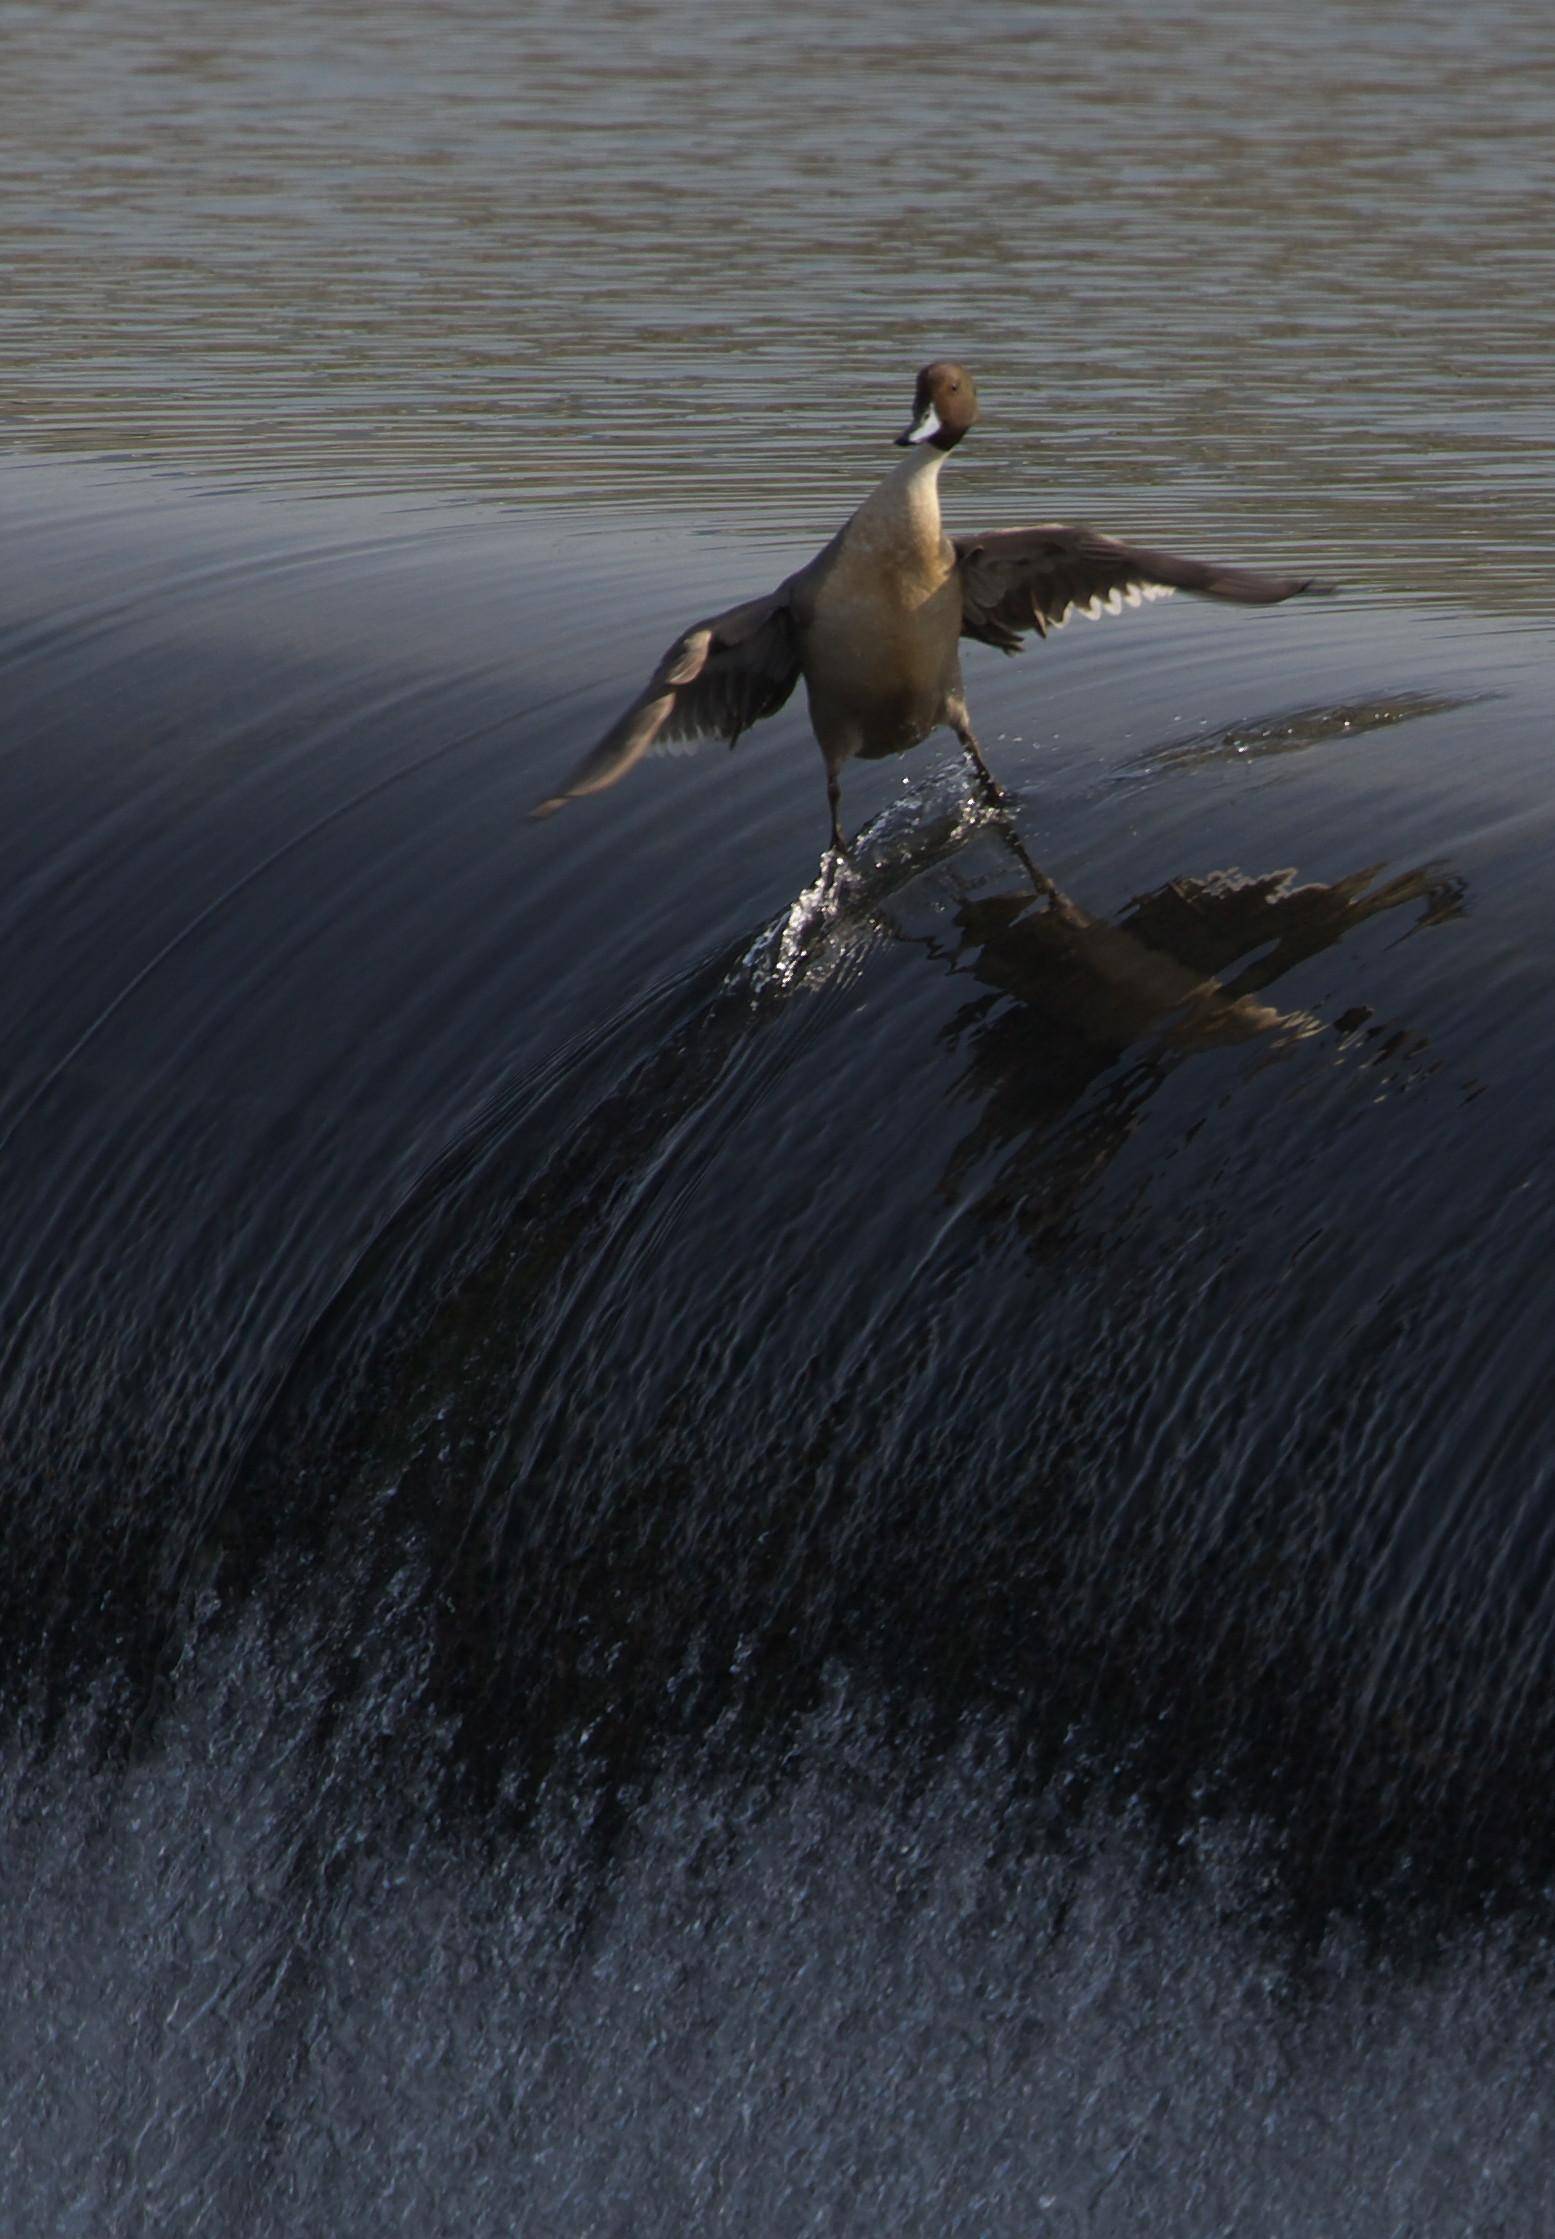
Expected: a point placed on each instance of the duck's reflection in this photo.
(1071, 995)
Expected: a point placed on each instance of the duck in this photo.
(874, 622)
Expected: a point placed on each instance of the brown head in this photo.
(944, 406)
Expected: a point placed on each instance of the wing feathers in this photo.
(715, 681)
(1014, 580)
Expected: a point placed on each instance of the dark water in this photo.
(828, 1548)
(688, 1547)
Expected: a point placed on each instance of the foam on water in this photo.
(260, 1981)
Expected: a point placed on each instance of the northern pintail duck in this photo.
(874, 622)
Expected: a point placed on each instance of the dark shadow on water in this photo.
(1260, 737)
(1179, 973)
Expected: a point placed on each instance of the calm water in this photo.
(688, 1549)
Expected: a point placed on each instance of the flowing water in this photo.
(692, 1540)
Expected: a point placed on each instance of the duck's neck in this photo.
(908, 498)
(918, 473)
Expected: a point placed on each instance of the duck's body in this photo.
(874, 622)
(879, 620)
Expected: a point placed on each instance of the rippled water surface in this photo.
(693, 1540)
(1281, 276)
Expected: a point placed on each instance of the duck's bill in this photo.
(926, 424)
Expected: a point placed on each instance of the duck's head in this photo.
(944, 406)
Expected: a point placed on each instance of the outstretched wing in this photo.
(715, 681)
(1014, 580)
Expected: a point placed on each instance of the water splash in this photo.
(1293, 731)
(837, 911)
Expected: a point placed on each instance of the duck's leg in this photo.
(835, 753)
(834, 802)
(961, 723)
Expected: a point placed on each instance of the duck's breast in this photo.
(880, 643)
